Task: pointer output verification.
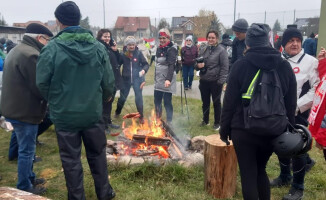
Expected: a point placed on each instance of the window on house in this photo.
(189, 27)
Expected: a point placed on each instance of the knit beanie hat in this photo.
(189, 37)
(130, 40)
(257, 36)
(68, 13)
(164, 32)
(241, 25)
(38, 29)
(291, 33)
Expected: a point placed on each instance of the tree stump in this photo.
(220, 163)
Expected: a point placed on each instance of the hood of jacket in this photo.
(78, 43)
(266, 58)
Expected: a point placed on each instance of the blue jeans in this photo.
(188, 75)
(124, 92)
(26, 140)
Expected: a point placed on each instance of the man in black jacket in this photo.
(19, 83)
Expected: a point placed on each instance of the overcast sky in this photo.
(253, 10)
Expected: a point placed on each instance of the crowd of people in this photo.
(71, 79)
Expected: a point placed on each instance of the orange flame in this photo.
(151, 127)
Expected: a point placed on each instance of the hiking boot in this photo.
(186, 88)
(38, 181)
(37, 159)
(38, 143)
(114, 126)
(204, 123)
(216, 127)
(294, 194)
(36, 190)
(169, 123)
(189, 87)
(278, 182)
(112, 195)
(116, 115)
(310, 165)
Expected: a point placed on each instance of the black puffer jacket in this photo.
(114, 60)
(132, 66)
(238, 46)
(240, 78)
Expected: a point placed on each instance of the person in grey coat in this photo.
(214, 69)
(165, 76)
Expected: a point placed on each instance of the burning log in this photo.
(143, 152)
(221, 173)
(149, 140)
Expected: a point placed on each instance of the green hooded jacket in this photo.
(74, 75)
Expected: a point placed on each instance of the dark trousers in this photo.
(45, 124)
(210, 89)
(187, 75)
(106, 113)
(152, 60)
(124, 92)
(298, 164)
(70, 152)
(167, 97)
(253, 153)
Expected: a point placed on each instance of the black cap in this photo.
(38, 29)
(68, 13)
(241, 25)
(257, 36)
(225, 36)
(291, 33)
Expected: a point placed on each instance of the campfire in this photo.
(153, 138)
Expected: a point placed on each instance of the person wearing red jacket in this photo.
(317, 117)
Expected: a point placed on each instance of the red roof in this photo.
(132, 24)
(201, 39)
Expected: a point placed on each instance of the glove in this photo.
(224, 138)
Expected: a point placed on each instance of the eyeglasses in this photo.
(188, 40)
(47, 39)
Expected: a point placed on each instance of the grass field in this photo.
(149, 181)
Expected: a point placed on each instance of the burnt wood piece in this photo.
(142, 152)
(151, 140)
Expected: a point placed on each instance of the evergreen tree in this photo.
(85, 23)
(277, 26)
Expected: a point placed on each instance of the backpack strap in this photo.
(251, 87)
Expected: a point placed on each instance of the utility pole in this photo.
(294, 16)
(235, 6)
(322, 27)
(265, 18)
(104, 13)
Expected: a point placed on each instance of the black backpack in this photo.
(263, 105)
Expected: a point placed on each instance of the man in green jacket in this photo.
(22, 104)
(74, 74)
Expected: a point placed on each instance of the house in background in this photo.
(181, 28)
(139, 27)
(15, 34)
(51, 25)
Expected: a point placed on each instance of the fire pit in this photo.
(152, 141)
